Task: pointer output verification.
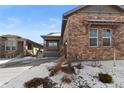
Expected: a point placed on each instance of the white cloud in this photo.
(12, 22)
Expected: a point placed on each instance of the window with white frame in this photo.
(106, 37)
(93, 37)
(10, 45)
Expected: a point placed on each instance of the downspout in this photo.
(114, 50)
(114, 56)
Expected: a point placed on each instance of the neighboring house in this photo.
(2, 42)
(13, 45)
(51, 44)
(93, 32)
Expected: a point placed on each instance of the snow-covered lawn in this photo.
(85, 77)
(40, 71)
(27, 59)
(23, 59)
(2, 61)
(7, 74)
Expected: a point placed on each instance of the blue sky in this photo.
(32, 21)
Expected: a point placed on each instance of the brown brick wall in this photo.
(76, 34)
(1, 47)
(4, 53)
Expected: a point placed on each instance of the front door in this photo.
(20, 47)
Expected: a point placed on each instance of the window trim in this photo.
(10, 46)
(93, 37)
(107, 37)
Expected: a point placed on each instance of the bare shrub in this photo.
(65, 79)
(79, 66)
(68, 70)
(48, 83)
(105, 78)
(33, 83)
(57, 66)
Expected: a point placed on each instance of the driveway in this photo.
(10, 70)
(7, 74)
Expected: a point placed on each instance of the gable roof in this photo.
(82, 6)
(33, 42)
(10, 36)
(53, 34)
(73, 10)
(64, 20)
(18, 37)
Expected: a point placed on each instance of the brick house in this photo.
(13, 45)
(51, 44)
(93, 32)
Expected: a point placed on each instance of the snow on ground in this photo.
(27, 59)
(85, 77)
(39, 71)
(7, 74)
(23, 59)
(2, 61)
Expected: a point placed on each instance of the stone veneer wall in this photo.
(76, 35)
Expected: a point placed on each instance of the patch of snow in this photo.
(54, 34)
(22, 59)
(38, 71)
(85, 77)
(25, 59)
(2, 61)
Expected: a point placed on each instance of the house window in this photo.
(14, 45)
(10, 45)
(106, 37)
(2, 45)
(52, 44)
(30, 46)
(93, 37)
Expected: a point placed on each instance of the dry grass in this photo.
(33, 83)
(105, 78)
(57, 66)
(65, 79)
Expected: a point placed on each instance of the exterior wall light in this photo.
(66, 43)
